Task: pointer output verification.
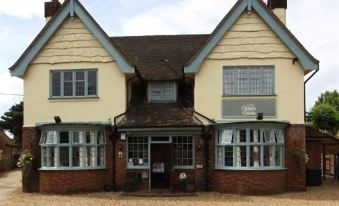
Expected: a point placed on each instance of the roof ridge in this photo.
(160, 35)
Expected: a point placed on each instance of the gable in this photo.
(72, 43)
(250, 38)
(72, 9)
(307, 61)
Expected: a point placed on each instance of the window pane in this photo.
(279, 135)
(254, 135)
(92, 83)
(51, 137)
(277, 156)
(56, 83)
(43, 138)
(137, 151)
(241, 156)
(229, 156)
(64, 137)
(255, 156)
(44, 157)
(68, 83)
(162, 91)
(80, 83)
(242, 80)
(229, 83)
(268, 155)
(64, 156)
(51, 158)
(183, 150)
(226, 137)
(219, 156)
(255, 80)
(76, 156)
(90, 156)
(76, 137)
(269, 136)
(90, 139)
(241, 136)
(100, 156)
(268, 80)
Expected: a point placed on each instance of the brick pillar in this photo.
(109, 159)
(30, 142)
(199, 160)
(294, 141)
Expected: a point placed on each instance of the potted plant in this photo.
(188, 185)
(301, 157)
(25, 162)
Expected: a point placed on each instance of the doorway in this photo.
(160, 166)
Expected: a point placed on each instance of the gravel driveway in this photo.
(11, 195)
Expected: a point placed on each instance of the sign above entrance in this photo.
(245, 108)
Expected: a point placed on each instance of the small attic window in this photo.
(162, 91)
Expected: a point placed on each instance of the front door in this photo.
(160, 166)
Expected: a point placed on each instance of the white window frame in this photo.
(57, 145)
(74, 81)
(261, 144)
(162, 85)
(231, 81)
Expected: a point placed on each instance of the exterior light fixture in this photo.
(260, 116)
(57, 119)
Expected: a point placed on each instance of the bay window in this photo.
(77, 149)
(249, 148)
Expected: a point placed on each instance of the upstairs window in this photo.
(159, 91)
(248, 80)
(73, 83)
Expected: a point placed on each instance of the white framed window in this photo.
(249, 80)
(162, 91)
(73, 83)
(250, 148)
(73, 149)
(183, 151)
(138, 152)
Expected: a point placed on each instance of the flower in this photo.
(25, 158)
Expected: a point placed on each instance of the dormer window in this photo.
(162, 91)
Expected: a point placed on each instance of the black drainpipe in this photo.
(305, 92)
(206, 158)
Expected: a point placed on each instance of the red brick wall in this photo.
(294, 140)
(248, 182)
(72, 181)
(314, 150)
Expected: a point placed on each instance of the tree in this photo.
(324, 116)
(330, 98)
(13, 121)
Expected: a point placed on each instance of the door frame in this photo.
(169, 142)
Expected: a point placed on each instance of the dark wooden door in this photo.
(160, 166)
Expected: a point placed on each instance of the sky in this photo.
(315, 23)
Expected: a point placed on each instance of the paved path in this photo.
(9, 182)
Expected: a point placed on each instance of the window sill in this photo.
(70, 168)
(183, 167)
(251, 95)
(73, 98)
(137, 168)
(249, 169)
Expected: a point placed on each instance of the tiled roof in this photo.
(4, 138)
(160, 57)
(159, 115)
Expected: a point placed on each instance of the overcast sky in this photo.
(314, 22)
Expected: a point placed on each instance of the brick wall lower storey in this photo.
(226, 181)
(248, 182)
(72, 181)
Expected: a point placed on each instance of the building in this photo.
(8, 152)
(133, 113)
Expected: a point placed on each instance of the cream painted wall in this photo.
(73, 46)
(39, 108)
(251, 42)
(72, 42)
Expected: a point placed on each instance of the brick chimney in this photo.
(51, 8)
(279, 8)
